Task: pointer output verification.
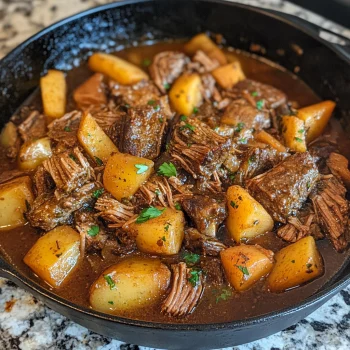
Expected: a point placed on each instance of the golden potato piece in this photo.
(15, 197)
(33, 153)
(316, 118)
(94, 140)
(55, 255)
(265, 137)
(132, 284)
(8, 136)
(53, 93)
(293, 132)
(185, 94)
(297, 263)
(246, 217)
(246, 264)
(124, 174)
(116, 68)
(229, 75)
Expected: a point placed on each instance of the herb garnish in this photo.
(166, 86)
(195, 110)
(183, 118)
(187, 126)
(194, 279)
(240, 126)
(260, 104)
(141, 168)
(243, 269)
(163, 239)
(148, 213)
(146, 62)
(301, 131)
(233, 205)
(98, 161)
(96, 194)
(157, 192)
(71, 156)
(161, 120)
(67, 128)
(298, 139)
(225, 294)
(166, 227)
(93, 230)
(191, 258)
(255, 94)
(151, 102)
(243, 140)
(156, 108)
(178, 206)
(167, 169)
(110, 281)
(111, 302)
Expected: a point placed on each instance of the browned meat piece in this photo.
(69, 170)
(93, 236)
(213, 271)
(207, 64)
(12, 174)
(199, 243)
(34, 127)
(197, 148)
(22, 114)
(332, 210)
(209, 114)
(47, 211)
(186, 290)
(116, 213)
(283, 189)
(42, 181)
(208, 88)
(64, 130)
(135, 95)
(242, 111)
(206, 212)
(339, 167)
(166, 67)
(295, 229)
(144, 130)
(271, 96)
(91, 92)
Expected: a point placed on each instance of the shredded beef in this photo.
(34, 127)
(43, 181)
(213, 271)
(339, 166)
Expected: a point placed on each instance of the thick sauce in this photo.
(14, 244)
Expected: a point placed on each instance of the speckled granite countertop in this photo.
(27, 324)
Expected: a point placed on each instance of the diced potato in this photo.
(8, 136)
(124, 174)
(316, 118)
(185, 94)
(132, 284)
(295, 264)
(162, 235)
(55, 255)
(15, 197)
(293, 132)
(33, 153)
(246, 264)
(204, 43)
(229, 75)
(246, 217)
(94, 140)
(116, 68)
(53, 93)
(265, 137)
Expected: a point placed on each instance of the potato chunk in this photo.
(228, 75)
(246, 217)
(185, 94)
(55, 255)
(33, 153)
(132, 284)
(162, 235)
(316, 118)
(94, 140)
(265, 137)
(204, 43)
(53, 93)
(246, 264)
(295, 264)
(15, 197)
(293, 131)
(8, 136)
(116, 68)
(124, 174)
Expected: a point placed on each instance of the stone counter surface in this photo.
(25, 323)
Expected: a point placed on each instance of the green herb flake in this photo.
(93, 230)
(308, 265)
(167, 169)
(157, 192)
(243, 140)
(146, 62)
(151, 102)
(127, 106)
(194, 279)
(163, 239)
(67, 128)
(110, 281)
(183, 118)
(96, 194)
(156, 108)
(233, 205)
(166, 86)
(111, 302)
(98, 161)
(298, 139)
(178, 206)
(166, 227)
(142, 168)
(148, 213)
(195, 110)
(240, 126)
(161, 120)
(255, 94)
(243, 269)
(260, 104)
(301, 131)
(71, 156)
(191, 258)
(225, 295)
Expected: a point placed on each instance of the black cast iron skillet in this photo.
(323, 66)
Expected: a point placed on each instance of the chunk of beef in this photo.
(91, 92)
(207, 64)
(166, 67)
(12, 174)
(69, 170)
(213, 271)
(209, 114)
(64, 130)
(22, 114)
(144, 131)
(283, 189)
(332, 210)
(197, 148)
(202, 244)
(339, 167)
(185, 291)
(87, 225)
(242, 112)
(208, 88)
(47, 211)
(206, 212)
(271, 96)
(43, 181)
(34, 127)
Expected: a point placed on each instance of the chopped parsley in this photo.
(194, 279)
(233, 205)
(191, 258)
(255, 94)
(146, 62)
(260, 104)
(308, 265)
(156, 108)
(96, 194)
(127, 106)
(243, 269)
(110, 281)
(163, 239)
(71, 156)
(251, 159)
(161, 120)
(93, 230)
(167, 169)
(166, 86)
(67, 128)
(166, 227)
(178, 206)
(148, 213)
(141, 168)
(151, 102)
(98, 161)
(183, 118)
(157, 192)
(301, 131)
(298, 139)
(111, 302)
(195, 110)
(225, 294)
(243, 140)
(240, 126)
